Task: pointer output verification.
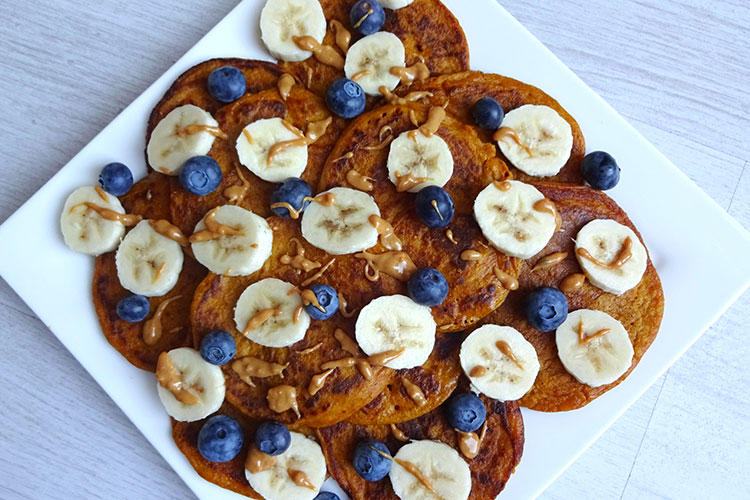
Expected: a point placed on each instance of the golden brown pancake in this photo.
(462, 90)
(499, 454)
(640, 309)
(428, 30)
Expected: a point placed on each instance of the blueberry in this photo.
(438, 215)
(133, 308)
(272, 438)
(200, 175)
(370, 464)
(600, 170)
(545, 308)
(116, 179)
(328, 300)
(227, 84)
(326, 495)
(220, 439)
(427, 286)
(218, 347)
(345, 98)
(466, 412)
(364, 21)
(488, 114)
(293, 191)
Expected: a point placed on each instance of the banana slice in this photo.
(304, 456)
(265, 314)
(86, 231)
(594, 347)
(235, 255)
(611, 255)
(342, 227)
(257, 139)
(395, 4)
(148, 263)
(442, 467)
(423, 157)
(536, 140)
(395, 322)
(282, 20)
(376, 53)
(499, 362)
(190, 388)
(509, 220)
(185, 132)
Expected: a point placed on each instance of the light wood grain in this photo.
(676, 69)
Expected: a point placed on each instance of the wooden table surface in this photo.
(677, 69)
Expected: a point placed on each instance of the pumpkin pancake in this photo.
(428, 30)
(462, 90)
(640, 309)
(499, 454)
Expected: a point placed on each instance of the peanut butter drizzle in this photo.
(503, 186)
(392, 98)
(399, 434)
(214, 229)
(347, 156)
(408, 74)
(434, 119)
(413, 118)
(362, 19)
(359, 181)
(285, 84)
(293, 212)
(159, 272)
(319, 273)
(342, 307)
(407, 181)
(395, 264)
(249, 366)
(435, 207)
(236, 194)
(365, 369)
(299, 261)
(414, 392)
(257, 461)
(468, 443)
(508, 281)
(297, 313)
(504, 348)
(545, 205)
(313, 133)
(550, 260)
(381, 145)
(169, 230)
(386, 236)
(325, 199)
(478, 371)
(572, 282)
(152, 327)
(451, 238)
(257, 319)
(584, 339)
(341, 35)
(414, 471)
(470, 255)
(317, 381)
(170, 378)
(624, 255)
(309, 297)
(383, 358)
(360, 74)
(300, 479)
(312, 349)
(102, 193)
(346, 342)
(196, 128)
(126, 220)
(282, 398)
(504, 133)
(323, 53)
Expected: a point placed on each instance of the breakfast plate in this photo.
(682, 227)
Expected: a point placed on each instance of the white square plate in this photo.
(702, 272)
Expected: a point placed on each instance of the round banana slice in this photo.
(542, 141)
(304, 456)
(423, 157)
(395, 322)
(235, 255)
(344, 226)
(254, 143)
(282, 20)
(611, 255)
(148, 263)
(83, 229)
(499, 362)
(395, 4)
(182, 134)
(442, 467)
(265, 314)
(594, 347)
(190, 388)
(512, 220)
(376, 53)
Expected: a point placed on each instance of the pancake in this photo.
(462, 90)
(499, 454)
(428, 30)
(640, 309)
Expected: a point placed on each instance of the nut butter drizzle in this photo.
(469, 443)
(399, 434)
(386, 236)
(236, 194)
(503, 186)
(102, 193)
(347, 344)
(572, 282)
(342, 307)
(345, 156)
(341, 35)
(360, 74)
(385, 136)
(470, 255)
(257, 461)
(435, 207)
(260, 317)
(311, 349)
(392, 98)
(435, 117)
(451, 238)
(314, 131)
(478, 371)
(299, 478)
(169, 230)
(385, 357)
(170, 378)
(326, 200)
(418, 71)
(309, 297)
(405, 182)
(319, 273)
(152, 328)
(362, 19)
(359, 181)
(250, 366)
(504, 348)
(414, 471)
(508, 281)
(126, 220)
(196, 128)
(395, 264)
(550, 260)
(282, 398)
(214, 229)
(624, 255)
(504, 133)
(317, 381)
(299, 261)
(545, 205)
(365, 369)
(414, 392)
(285, 84)
(323, 53)
(585, 339)
(297, 314)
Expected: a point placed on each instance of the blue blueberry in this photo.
(427, 286)
(220, 439)
(439, 214)
(116, 179)
(218, 347)
(345, 98)
(326, 495)
(600, 170)
(272, 438)
(488, 114)
(364, 21)
(466, 412)
(328, 300)
(545, 308)
(200, 175)
(293, 191)
(227, 84)
(370, 464)
(133, 308)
